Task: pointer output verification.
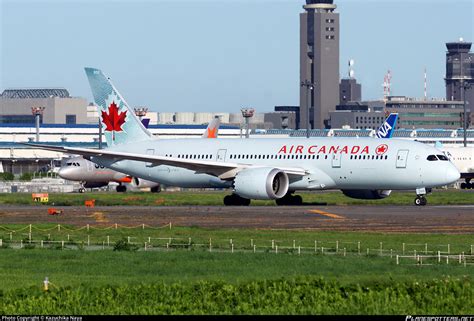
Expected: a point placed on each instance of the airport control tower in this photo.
(319, 61)
(459, 70)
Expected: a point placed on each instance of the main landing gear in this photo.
(236, 200)
(289, 199)
(467, 184)
(420, 199)
(121, 188)
(155, 189)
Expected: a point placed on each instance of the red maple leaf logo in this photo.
(381, 149)
(113, 120)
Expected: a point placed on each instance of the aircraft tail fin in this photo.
(388, 127)
(212, 129)
(119, 122)
(438, 144)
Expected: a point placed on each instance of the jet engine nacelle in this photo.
(263, 183)
(366, 194)
(143, 183)
(95, 184)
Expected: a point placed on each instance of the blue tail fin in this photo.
(119, 122)
(387, 128)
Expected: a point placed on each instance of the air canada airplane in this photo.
(365, 168)
(92, 175)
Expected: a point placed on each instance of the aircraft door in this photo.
(150, 152)
(90, 166)
(336, 160)
(221, 155)
(402, 156)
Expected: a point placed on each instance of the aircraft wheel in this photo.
(423, 201)
(280, 201)
(464, 186)
(155, 189)
(244, 201)
(420, 201)
(228, 200)
(236, 200)
(121, 189)
(289, 199)
(82, 190)
(297, 200)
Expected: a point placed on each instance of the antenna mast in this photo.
(426, 96)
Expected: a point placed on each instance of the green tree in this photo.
(7, 176)
(26, 177)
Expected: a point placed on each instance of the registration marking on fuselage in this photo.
(331, 215)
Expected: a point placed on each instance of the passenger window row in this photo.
(251, 156)
(192, 156)
(369, 157)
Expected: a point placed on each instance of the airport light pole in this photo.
(309, 87)
(37, 112)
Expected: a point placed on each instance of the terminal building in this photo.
(59, 106)
(413, 113)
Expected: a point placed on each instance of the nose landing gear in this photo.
(420, 199)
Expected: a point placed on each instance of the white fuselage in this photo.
(82, 170)
(330, 163)
(461, 157)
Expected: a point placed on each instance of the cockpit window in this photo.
(432, 158)
(442, 157)
(68, 164)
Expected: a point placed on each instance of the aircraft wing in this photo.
(223, 170)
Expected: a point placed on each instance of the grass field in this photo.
(438, 197)
(195, 281)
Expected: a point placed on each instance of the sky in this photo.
(220, 56)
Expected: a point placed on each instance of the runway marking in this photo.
(331, 215)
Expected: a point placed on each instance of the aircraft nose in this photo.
(64, 172)
(452, 174)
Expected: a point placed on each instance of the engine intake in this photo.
(143, 183)
(264, 183)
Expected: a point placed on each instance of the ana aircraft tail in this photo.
(212, 128)
(119, 122)
(387, 128)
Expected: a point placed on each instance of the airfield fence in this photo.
(66, 237)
